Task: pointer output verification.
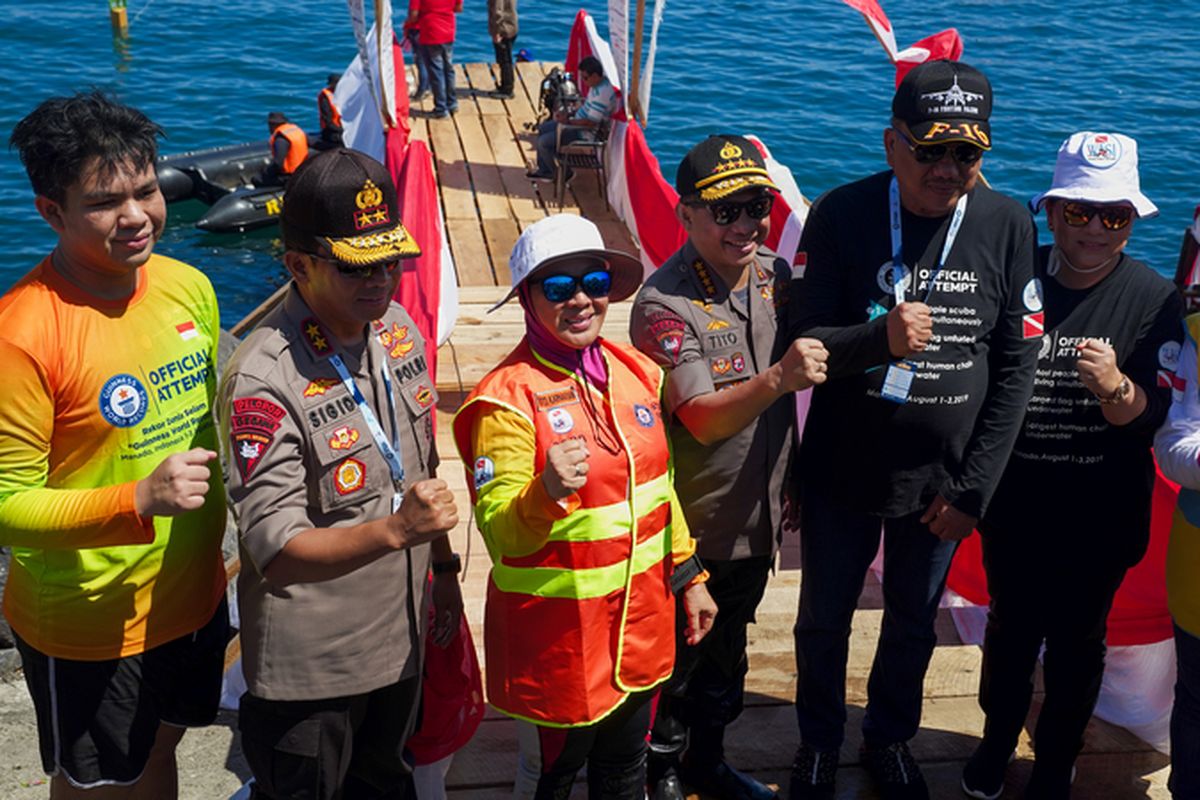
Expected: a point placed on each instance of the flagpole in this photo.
(635, 103)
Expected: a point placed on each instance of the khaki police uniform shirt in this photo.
(299, 455)
(709, 339)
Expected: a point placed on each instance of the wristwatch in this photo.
(1120, 393)
(451, 567)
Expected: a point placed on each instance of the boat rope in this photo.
(138, 15)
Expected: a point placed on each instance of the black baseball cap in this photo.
(945, 101)
(344, 201)
(720, 166)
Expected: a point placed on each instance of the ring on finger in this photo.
(579, 469)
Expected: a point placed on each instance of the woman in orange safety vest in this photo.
(571, 478)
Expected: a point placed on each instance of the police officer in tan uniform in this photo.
(709, 315)
(326, 414)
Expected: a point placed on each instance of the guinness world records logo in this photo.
(123, 401)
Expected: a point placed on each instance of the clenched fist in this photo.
(176, 485)
(909, 329)
(566, 468)
(803, 365)
(426, 512)
(1097, 367)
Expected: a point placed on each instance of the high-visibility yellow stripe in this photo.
(582, 584)
(605, 522)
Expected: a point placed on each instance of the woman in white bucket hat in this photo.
(1072, 512)
(571, 479)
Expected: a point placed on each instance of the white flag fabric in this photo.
(647, 77)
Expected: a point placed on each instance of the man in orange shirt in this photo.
(117, 588)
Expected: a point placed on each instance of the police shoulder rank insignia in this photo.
(315, 336)
(349, 476)
(253, 423)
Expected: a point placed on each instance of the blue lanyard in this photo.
(960, 211)
(387, 448)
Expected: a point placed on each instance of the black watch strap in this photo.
(685, 572)
(451, 567)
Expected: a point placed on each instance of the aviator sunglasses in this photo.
(361, 271)
(560, 288)
(1113, 218)
(965, 154)
(728, 212)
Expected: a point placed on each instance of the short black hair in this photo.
(276, 118)
(58, 138)
(592, 65)
(332, 80)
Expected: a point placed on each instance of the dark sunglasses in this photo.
(560, 288)
(1113, 218)
(965, 154)
(361, 271)
(727, 212)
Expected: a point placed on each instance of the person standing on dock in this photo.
(326, 415)
(435, 23)
(117, 587)
(570, 472)
(331, 116)
(502, 27)
(920, 282)
(710, 317)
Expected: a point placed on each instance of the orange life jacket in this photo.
(335, 114)
(298, 146)
(572, 628)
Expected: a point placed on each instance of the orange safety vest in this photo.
(336, 118)
(298, 146)
(572, 628)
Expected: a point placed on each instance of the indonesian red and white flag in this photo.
(880, 25)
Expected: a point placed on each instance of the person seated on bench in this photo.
(600, 105)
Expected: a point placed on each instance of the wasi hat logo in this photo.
(1101, 150)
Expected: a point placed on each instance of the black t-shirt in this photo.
(1072, 473)
(954, 433)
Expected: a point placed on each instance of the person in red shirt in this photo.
(435, 21)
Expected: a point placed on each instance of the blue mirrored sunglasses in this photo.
(560, 288)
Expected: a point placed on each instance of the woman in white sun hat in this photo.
(1072, 512)
(571, 478)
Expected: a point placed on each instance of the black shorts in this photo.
(97, 720)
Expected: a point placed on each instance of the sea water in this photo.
(806, 76)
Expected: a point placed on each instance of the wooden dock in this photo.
(481, 155)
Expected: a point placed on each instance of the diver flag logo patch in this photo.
(1033, 325)
(187, 330)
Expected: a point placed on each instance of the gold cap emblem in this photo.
(369, 196)
(730, 150)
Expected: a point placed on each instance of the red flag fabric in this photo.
(1139, 614)
(944, 45)
(880, 25)
(651, 198)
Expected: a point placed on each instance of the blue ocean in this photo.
(807, 77)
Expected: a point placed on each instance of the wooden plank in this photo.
(510, 161)
(482, 86)
(462, 91)
(524, 104)
(425, 104)
(490, 195)
(471, 260)
(458, 198)
(501, 235)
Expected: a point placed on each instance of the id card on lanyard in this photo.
(389, 449)
(897, 381)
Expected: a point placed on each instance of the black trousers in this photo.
(706, 691)
(343, 747)
(504, 60)
(613, 748)
(1060, 596)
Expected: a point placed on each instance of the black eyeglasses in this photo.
(361, 271)
(560, 288)
(727, 212)
(1113, 218)
(963, 153)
